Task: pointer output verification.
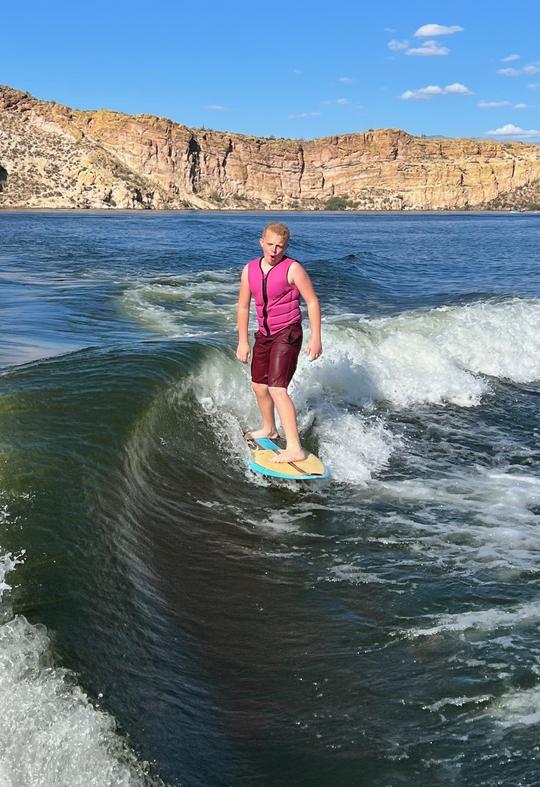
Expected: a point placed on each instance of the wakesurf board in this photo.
(263, 451)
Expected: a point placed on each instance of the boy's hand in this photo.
(243, 351)
(314, 349)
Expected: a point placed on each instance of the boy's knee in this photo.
(278, 393)
(259, 388)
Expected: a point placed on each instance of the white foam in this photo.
(488, 522)
(283, 521)
(7, 562)
(479, 337)
(496, 497)
(204, 304)
(482, 620)
(353, 447)
(458, 702)
(517, 708)
(485, 338)
(354, 575)
(375, 362)
(429, 356)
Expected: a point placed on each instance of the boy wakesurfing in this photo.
(276, 282)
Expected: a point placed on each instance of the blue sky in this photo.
(287, 69)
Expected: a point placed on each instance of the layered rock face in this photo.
(52, 156)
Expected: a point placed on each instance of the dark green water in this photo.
(174, 617)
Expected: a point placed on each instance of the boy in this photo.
(276, 283)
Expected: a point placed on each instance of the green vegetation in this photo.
(339, 203)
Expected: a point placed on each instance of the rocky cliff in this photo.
(52, 156)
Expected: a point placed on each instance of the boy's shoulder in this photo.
(294, 265)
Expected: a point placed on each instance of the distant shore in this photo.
(56, 157)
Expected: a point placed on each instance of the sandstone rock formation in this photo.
(52, 156)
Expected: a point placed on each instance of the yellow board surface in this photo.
(312, 466)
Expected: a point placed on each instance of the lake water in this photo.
(169, 617)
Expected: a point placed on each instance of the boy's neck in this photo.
(273, 264)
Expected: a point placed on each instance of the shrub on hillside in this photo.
(338, 203)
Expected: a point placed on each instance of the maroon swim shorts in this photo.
(274, 357)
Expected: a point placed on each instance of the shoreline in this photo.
(272, 211)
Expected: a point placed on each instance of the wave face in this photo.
(167, 616)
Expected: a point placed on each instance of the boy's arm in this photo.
(301, 280)
(242, 318)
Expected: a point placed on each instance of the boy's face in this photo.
(273, 246)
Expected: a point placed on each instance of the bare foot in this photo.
(253, 435)
(290, 456)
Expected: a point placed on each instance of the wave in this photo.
(437, 356)
(434, 356)
(338, 397)
(171, 405)
(482, 337)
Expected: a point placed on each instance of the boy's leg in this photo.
(287, 415)
(265, 404)
(259, 382)
(281, 368)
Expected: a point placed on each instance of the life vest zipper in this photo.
(265, 305)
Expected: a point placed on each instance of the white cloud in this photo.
(500, 105)
(297, 71)
(216, 108)
(509, 130)
(416, 95)
(510, 58)
(424, 93)
(494, 104)
(437, 30)
(532, 68)
(428, 49)
(458, 89)
(397, 46)
(390, 30)
(346, 80)
(340, 101)
(534, 86)
(297, 115)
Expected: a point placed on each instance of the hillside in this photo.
(52, 156)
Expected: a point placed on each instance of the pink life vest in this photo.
(277, 302)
